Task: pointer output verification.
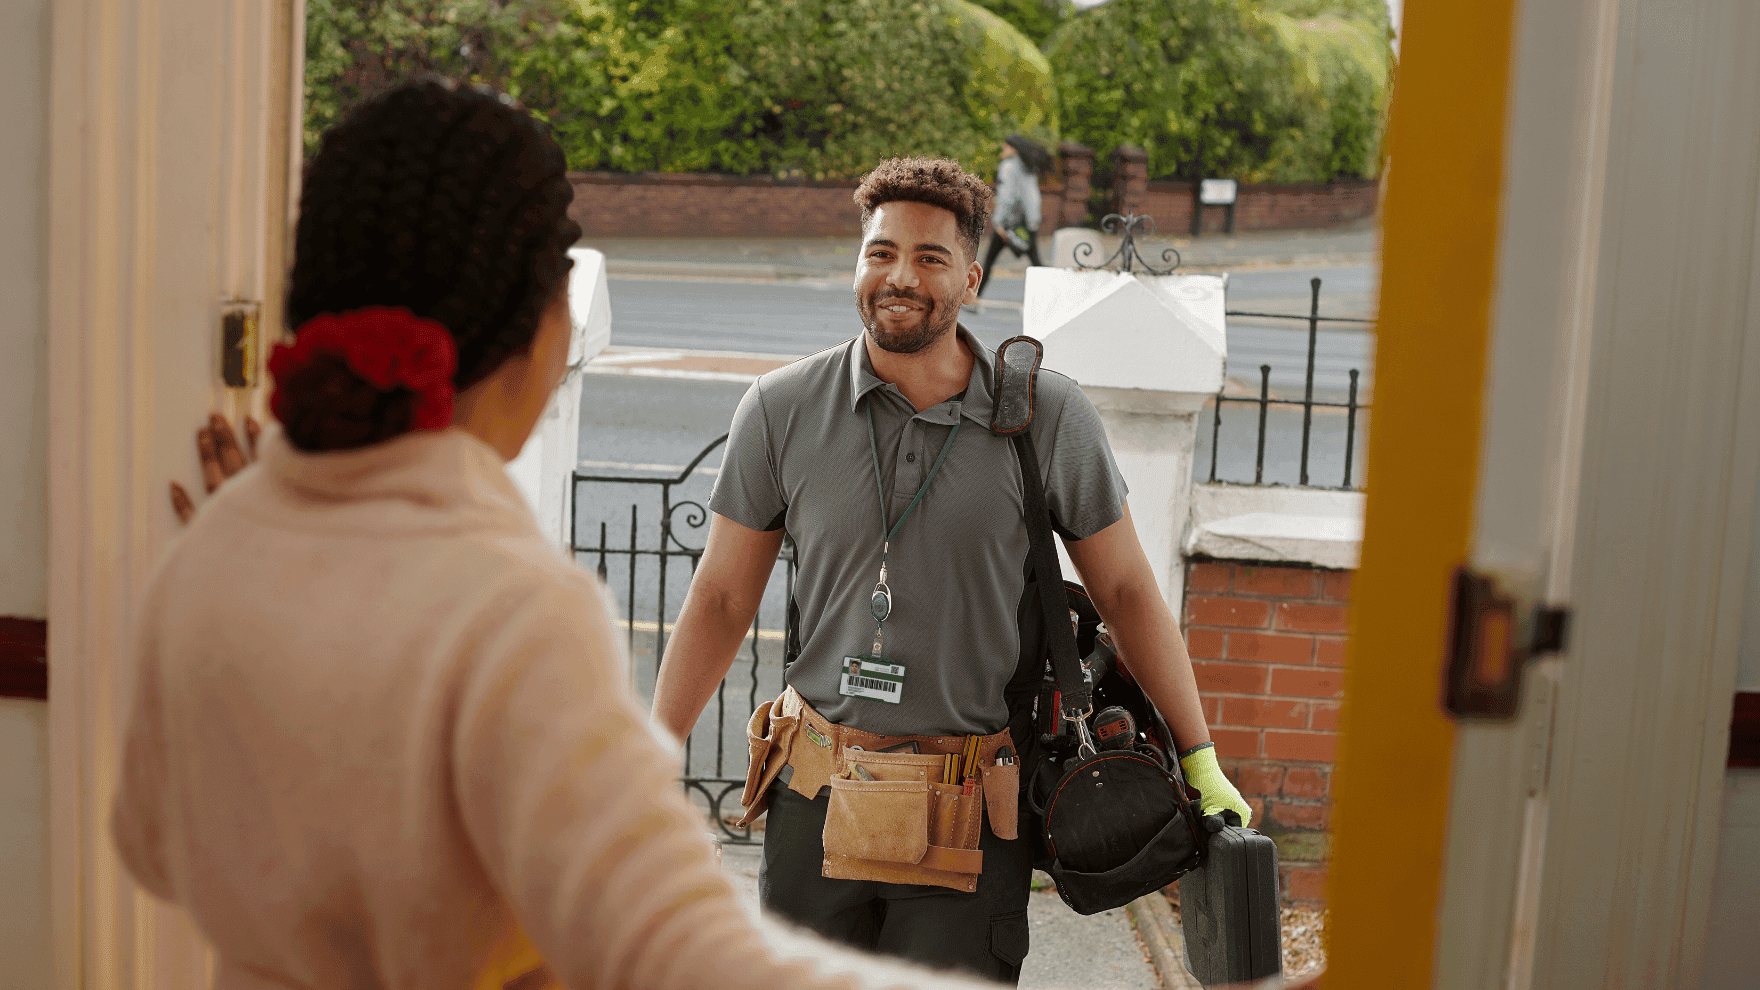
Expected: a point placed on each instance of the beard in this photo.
(938, 317)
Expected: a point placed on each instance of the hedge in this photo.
(1035, 19)
(1278, 91)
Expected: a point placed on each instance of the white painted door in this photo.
(1617, 468)
(172, 145)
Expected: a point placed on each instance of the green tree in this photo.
(355, 48)
(1282, 91)
(1010, 89)
(1341, 69)
(814, 88)
(644, 85)
(1035, 19)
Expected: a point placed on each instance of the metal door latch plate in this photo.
(1495, 630)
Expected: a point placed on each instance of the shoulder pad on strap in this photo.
(1017, 368)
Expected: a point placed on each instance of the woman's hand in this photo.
(222, 457)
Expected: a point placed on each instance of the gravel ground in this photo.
(1304, 941)
(1304, 938)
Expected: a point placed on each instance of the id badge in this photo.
(872, 677)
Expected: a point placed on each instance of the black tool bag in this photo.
(1112, 823)
(1228, 909)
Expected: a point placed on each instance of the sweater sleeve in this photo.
(574, 808)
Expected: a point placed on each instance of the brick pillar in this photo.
(1077, 164)
(1130, 179)
(1267, 645)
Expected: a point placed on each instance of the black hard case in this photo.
(1228, 907)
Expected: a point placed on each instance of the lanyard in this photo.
(880, 485)
(881, 603)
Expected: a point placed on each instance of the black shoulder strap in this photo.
(1017, 369)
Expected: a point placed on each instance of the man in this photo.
(910, 401)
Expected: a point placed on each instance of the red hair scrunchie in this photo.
(387, 347)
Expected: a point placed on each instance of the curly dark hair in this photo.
(936, 181)
(446, 200)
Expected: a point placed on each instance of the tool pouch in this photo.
(902, 827)
(770, 740)
(1002, 796)
(882, 820)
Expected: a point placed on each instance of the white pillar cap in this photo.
(1106, 329)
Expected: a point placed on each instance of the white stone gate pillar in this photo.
(544, 469)
(1149, 350)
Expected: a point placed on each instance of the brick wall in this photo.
(1267, 645)
(1270, 206)
(654, 204)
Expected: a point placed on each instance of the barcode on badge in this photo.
(868, 679)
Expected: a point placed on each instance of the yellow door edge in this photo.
(1438, 258)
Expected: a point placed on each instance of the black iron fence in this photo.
(1352, 407)
(646, 558)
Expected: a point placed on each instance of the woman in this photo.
(1017, 203)
(382, 734)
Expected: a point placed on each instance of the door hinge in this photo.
(1495, 629)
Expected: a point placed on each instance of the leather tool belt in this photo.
(891, 820)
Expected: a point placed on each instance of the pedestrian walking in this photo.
(382, 732)
(1016, 216)
(906, 513)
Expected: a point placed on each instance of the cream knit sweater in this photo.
(383, 734)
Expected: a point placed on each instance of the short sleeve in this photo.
(1083, 486)
(747, 490)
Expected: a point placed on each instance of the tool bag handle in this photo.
(1017, 371)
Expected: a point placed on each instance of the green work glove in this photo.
(1216, 790)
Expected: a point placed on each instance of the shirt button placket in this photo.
(911, 471)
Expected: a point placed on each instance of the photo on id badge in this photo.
(870, 676)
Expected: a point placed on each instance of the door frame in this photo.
(173, 148)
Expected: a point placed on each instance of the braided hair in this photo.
(441, 199)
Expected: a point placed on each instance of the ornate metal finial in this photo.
(1127, 255)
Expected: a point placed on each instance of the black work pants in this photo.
(996, 246)
(983, 932)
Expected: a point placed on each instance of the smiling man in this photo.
(907, 518)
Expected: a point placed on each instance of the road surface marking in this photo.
(684, 374)
(630, 466)
(648, 626)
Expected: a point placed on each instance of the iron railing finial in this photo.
(1128, 256)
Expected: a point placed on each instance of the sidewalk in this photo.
(823, 257)
(1069, 951)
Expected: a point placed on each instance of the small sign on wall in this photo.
(1217, 192)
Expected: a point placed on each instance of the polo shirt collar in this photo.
(977, 405)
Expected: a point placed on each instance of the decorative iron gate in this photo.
(667, 524)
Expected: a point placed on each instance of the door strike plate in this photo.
(239, 322)
(1495, 630)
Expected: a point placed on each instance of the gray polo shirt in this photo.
(798, 456)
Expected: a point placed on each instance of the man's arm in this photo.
(717, 613)
(1116, 573)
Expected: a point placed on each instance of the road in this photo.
(649, 428)
(803, 316)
